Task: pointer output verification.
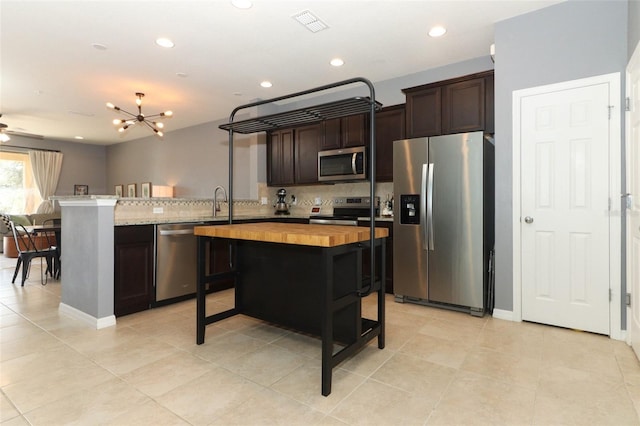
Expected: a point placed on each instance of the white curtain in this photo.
(46, 168)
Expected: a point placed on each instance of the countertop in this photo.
(188, 219)
(292, 233)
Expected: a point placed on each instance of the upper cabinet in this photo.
(458, 105)
(346, 132)
(280, 157)
(307, 143)
(390, 126)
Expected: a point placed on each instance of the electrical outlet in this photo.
(263, 201)
(158, 210)
(317, 201)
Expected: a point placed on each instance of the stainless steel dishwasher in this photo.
(176, 251)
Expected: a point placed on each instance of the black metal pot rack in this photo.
(303, 116)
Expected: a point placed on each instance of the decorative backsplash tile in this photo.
(134, 210)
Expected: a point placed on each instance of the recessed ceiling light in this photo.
(242, 4)
(182, 74)
(99, 46)
(78, 137)
(266, 84)
(337, 62)
(164, 42)
(437, 31)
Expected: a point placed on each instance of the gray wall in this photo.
(568, 41)
(192, 160)
(634, 26)
(82, 164)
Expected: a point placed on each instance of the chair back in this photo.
(22, 238)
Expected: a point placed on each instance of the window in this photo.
(18, 191)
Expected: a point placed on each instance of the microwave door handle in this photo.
(353, 163)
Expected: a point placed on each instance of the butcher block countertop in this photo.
(292, 233)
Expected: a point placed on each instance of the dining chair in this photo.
(57, 265)
(27, 251)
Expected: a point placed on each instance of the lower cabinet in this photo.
(388, 251)
(133, 273)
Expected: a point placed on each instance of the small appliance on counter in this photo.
(281, 204)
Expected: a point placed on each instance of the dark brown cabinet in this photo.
(307, 143)
(424, 112)
(346, 132)
(280, 148)
(463, 104)
(133, 269)
(390, 126)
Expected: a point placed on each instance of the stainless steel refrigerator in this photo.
(443, 231)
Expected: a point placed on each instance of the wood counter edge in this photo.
(290, 233)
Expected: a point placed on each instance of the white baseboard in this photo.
(91, 321)
(503, 315)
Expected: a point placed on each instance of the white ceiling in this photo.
(54, 83)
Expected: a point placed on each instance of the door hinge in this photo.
(610, 107)
(627, 299)
(610, 295)
(627, 104)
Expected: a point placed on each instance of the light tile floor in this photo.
(439, 367)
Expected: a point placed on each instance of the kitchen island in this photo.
(305, 277)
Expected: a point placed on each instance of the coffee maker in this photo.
(281, 204)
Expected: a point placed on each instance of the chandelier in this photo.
(140, 117)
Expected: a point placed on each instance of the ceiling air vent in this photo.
(310, 21)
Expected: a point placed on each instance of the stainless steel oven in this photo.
(347, 210)
(346, 164)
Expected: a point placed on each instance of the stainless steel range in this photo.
(347, 210)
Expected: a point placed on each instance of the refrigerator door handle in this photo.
(430, 206)
(423, 208)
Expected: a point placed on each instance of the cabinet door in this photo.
(390, 126)
(307, 143)
(355, 130)
(133, 269)
(463, 108)
(424, 113)
(280, 169)
(366, 255)
(332, 135)
(219, 256)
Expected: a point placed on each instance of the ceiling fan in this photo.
(5, 132)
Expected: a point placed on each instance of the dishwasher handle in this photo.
(176, 231)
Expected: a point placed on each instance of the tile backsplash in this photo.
(306, 195)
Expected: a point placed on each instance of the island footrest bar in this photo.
(321, 295)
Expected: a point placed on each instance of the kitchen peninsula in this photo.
(306, 277)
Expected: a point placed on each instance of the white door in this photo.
(565, 208)
(633, 188)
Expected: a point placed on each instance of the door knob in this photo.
(528, 219)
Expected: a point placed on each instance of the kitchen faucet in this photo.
(216, 203)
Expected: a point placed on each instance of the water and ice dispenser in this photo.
(410, 209)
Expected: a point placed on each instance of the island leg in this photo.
(327, 324)
(200, 292)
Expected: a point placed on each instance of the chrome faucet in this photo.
(216, 203)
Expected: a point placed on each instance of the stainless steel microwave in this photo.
(346, 164)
